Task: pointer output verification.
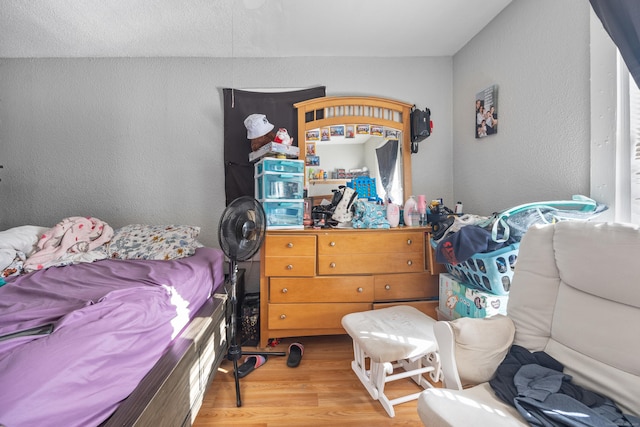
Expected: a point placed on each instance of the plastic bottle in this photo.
(411, 214)
(393, 214)
(422, 209)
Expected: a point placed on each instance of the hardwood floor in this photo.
(322, 391)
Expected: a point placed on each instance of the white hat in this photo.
(257, 125)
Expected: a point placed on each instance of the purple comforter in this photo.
(112, 320)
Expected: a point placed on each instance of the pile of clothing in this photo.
(545, 396)
(458, 238)
(74, 239)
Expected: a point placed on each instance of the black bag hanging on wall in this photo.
(420, 126)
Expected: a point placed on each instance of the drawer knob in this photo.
(289, 245)
(283, 316)
(332, 243)
(409, 262)
(387, 287)
(285, 290)
(409, 241)
(332, 265)
(289, 267)
(360, 290)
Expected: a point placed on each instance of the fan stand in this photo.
(235, 352)
(240, 233)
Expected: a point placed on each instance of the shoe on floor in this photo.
(250, 364)
(296, 350)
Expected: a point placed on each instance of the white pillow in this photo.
(6, 258)
(480, 346)
(22, 238)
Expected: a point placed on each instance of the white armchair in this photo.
(576, 296)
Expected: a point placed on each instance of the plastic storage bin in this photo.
(272, 185)
(490, 271)
(279, 165)
(284, 214)
(279, 186)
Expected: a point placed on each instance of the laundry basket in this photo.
(490, 271)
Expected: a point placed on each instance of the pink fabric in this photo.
(71, 235)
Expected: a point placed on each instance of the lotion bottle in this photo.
(393, 214)
(411, 215)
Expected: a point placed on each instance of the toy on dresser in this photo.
(267, 142)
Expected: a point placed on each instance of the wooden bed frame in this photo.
(172, 392)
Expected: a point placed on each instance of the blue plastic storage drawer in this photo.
(271, 185)
(270, 164)
(284, 214)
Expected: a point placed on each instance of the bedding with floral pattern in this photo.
(161, 242)
(78, 239)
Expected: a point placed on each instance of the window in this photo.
(634, 151)
(627, 167)
(615, 131)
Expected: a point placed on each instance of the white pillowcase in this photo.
(23, 238)
(18, 239)
(481, 345)
(6, 258)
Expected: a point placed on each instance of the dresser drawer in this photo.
(321, 289)
(389, 287)
(312, 315)
(370, 243)
(290, 255)
(289, 245)
(370, 263)
(290, 266)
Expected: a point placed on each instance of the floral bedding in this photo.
(86, 239)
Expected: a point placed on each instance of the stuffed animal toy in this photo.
(258, 142)
(282, 137)
(259, 130)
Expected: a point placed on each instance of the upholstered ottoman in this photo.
(392, 338)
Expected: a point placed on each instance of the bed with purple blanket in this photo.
(116, 341)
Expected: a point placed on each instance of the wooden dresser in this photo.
(309, 279)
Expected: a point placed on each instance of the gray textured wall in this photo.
(140, 140)
(537, 52)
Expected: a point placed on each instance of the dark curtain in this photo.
(387, 159)
(238, 104)
(621, 19)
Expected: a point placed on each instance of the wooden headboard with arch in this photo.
(328, 111)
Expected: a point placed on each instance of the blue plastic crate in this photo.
(281, 214)
(271, 185)
(270, 164)
(490, 271)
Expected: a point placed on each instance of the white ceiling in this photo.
(240, 28)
